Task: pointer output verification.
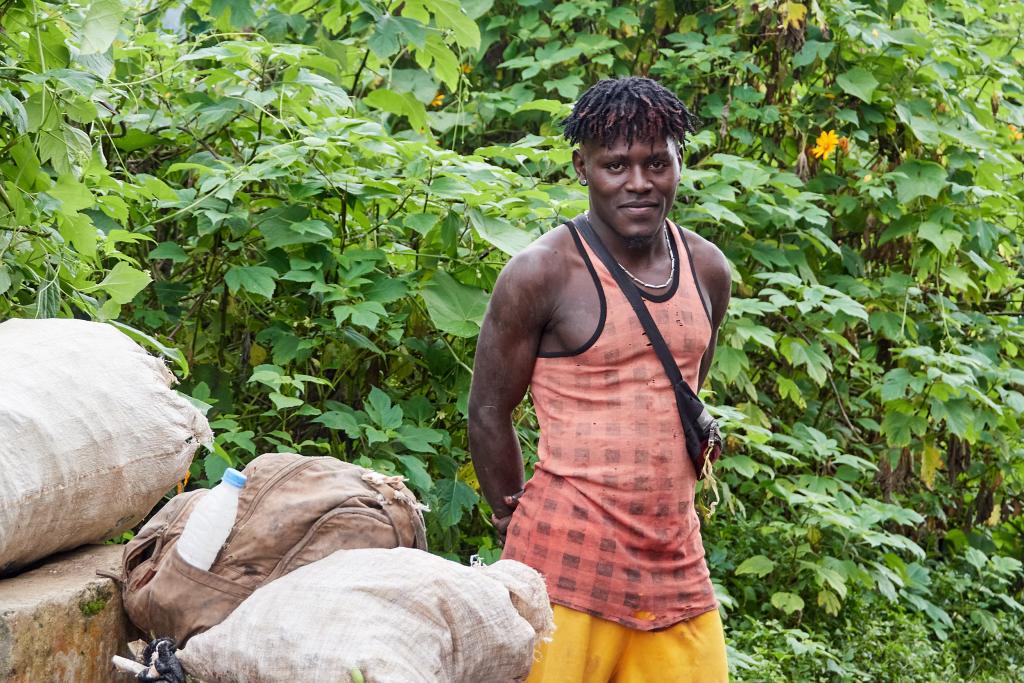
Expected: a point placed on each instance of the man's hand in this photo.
(501, 523)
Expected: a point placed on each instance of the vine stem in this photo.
(832, 383)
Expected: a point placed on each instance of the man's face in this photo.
(631, 188)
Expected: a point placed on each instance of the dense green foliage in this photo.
(304, 204)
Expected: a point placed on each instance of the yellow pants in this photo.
(588, 649)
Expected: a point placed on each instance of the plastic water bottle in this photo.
(211, 521)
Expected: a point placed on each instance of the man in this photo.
(608, 517)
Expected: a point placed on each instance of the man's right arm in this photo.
(506, 350)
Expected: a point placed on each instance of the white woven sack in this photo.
(91, 436)
(399, 616)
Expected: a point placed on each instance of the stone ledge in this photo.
(61, 622)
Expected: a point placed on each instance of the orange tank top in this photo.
(608, 516)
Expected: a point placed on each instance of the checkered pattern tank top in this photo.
(608, 516)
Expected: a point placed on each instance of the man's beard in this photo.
(637, 242)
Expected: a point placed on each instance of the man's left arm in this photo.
(715, 277)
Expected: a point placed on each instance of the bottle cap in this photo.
(233, 477)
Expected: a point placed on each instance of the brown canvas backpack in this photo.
(293, 510)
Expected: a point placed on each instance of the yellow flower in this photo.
(466, 68)
(867, 178)
(825, 144)
(437, 101)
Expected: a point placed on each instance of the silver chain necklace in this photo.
(671, 272)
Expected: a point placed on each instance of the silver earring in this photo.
(583, 182)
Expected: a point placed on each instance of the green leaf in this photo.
(832, 577)
(445, 62)
(421, 222)
(730, 363)
(449, 14)
(81, 110)
(384, 41)
(454, 499)
(812, 50)
(71, 81)
(790, 390)
(73, 195)
(48, 298)
(169, 251)
(419, 439)
(52, 148)
(201, 405)
(922, 124)
(78, 229)
(256, 279)
(100, 27)
(454, 307)
(919, 179)
(269, 375)
(281, 401)
(896, 382)
(282, 234)
(499, 232)
(241, 12)
(374, 435)
(900, 427)
(787, 602)
(720, 213)
(931, 460)
(813, 357)
(944, 239)
(146, 340)
(858, 82)
(214, 464)
(758, 565)
(122, 283)
(157, 188)
(360, 340)
(829, 602)
(386, 290)
(47, 47)
(14, 109)
(559, 109)
(749, 174)
(367, 314)
(325, 89)
(379, 409)
(416, 472)
(958, 415)
(339, 420)
(400, 104)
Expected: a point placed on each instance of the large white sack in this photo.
(91, 435)
(398, 615)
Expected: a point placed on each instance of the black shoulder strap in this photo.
(691, 411)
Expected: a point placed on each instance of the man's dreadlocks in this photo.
(633, 108)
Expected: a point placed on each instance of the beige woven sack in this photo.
(91, 436)
(398, 616)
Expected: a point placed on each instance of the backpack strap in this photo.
(401, 507)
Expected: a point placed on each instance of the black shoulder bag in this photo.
(703, 438)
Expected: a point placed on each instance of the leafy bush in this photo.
(304, 205)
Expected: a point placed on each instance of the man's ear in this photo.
(577, 163)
